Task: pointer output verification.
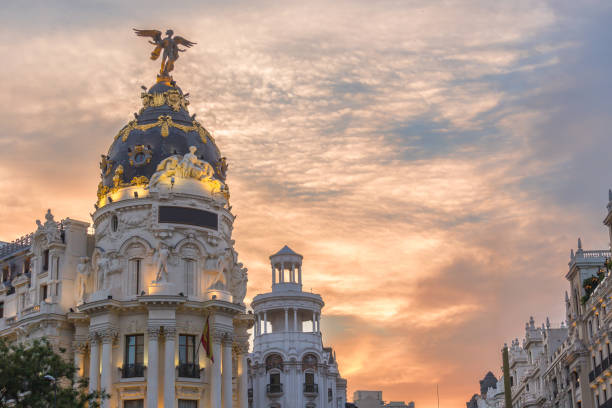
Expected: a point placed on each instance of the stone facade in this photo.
(289, 366)
(569, 366)
(128, 298)
(374, 399)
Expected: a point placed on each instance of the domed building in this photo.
(131, 298)
(289, 365)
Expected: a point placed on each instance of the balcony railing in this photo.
(274, 388)
(311, 388)
(132, 370)
(189, 370)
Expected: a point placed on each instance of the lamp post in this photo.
(52, 379)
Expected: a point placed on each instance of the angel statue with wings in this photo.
(169, 45)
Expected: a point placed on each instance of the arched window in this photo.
(114, 223)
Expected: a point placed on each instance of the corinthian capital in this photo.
(154, 332)
(170, 332)
(108, 335)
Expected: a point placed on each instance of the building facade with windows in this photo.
(571, 366)
(374, 399)
(289, 366)
(128, 297)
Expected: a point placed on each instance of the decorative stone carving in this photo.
(49, 230)
(170, 332)
(154, 332)
(84, 271)
(107, 265)
(187, 167)
(108, 335)
(238, 283)
(161, 257)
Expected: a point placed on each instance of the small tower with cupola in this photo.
(289, 365)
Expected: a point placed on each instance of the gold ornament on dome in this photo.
(165, 122)
(118, 177)
(140, 155)
(171, 98)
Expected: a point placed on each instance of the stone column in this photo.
(94, 362)
(79, 348)
(169, 368)
(243, 377)
(227, 372)
(295, 322)
(300, 274)
(292, 272)
(282, 273)
(286, 319)
(318, 322)
(153, 366)
(273, 275)
(215, 372)
(314, 322)
(106, 376)
(265, 330)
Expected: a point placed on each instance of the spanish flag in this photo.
(205, 340)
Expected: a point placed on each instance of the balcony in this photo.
(132, 370)
(274, 390)
(312, 389)
(189, 370)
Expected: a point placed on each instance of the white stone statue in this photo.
(102, 270)
(84, 271)
(239, 283)
(186, 167)
(161, 257)
(214, 270)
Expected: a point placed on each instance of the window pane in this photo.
(133, 404)
(187, 404)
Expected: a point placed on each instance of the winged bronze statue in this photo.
(170, 46)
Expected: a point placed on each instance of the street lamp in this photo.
(52, 379)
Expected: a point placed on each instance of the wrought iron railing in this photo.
(311, 388)
(16, 245)
(274, 388)
(132, 370)
(189, 370)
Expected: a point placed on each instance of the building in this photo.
(129, 296)
(374, 399)
(569, 366)
(289, 366)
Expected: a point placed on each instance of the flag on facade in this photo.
(205, 340)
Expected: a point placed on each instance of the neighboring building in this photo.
(569, 366)
(129, 298)
(368, 399)
(374, 399)
(289, 367)
(491, 393)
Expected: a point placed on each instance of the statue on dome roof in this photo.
(169, 45)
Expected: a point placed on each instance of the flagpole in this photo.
(438, 395)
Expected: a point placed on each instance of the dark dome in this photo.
(161, 129)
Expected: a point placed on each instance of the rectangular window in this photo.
(136, 270)
(5, 274)
(1, 310)
(133, 404)
(134, 356)
(43, 292)
(187, 349)
(134, 349)
(189, 277)
(309, 378)
(46, 260)
(187, 403)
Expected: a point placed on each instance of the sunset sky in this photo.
(434, 161)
